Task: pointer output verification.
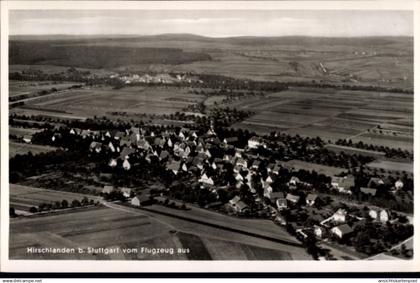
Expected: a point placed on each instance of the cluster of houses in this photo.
(345, 184)
(204, 157)
(153, 79)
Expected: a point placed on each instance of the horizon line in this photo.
(204, 36)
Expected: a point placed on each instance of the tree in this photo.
(85, 201)
(33, 209)
(75, 203)
(57, 205)
(12, 212)
(64, 203)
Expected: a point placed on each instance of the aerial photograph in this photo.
(185, 134)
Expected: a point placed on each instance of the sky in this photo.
(213, 23)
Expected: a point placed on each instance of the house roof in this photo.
(276, 195)
(164, 154)
(107, 189)
(292, 198)
(231, 139)
(281, 202)
(345, 229)
(125, 190)
(346, 182)
(235, 200)
(174, 165)
(126, 152)
(311, 197)
(95, 145)
(241, 205)
(368, 191)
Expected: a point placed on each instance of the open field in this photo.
(354, 150)
(102, 101)
(23, 197)
(131, 228)
(373, 117)
(31, 87)
(320, 169)
(20, 132)
(23, 148)
(391, 165)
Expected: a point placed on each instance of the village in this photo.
(242, 176)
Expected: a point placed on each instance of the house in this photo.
(256, 164)
(85, 133)
(238, 205)
(143, 144)
(126, 192)
(343, 184)
(139, 200)
(319, 231)
(111, 147)
(118, 135)
(281, 203)
(135, 131)
(269, 179)
(373, 213)
(107, 189)
(292, 198)
(95, 146)
(368, 191)
(375, 182)
(211, 132)
(126, 164)
(227, 158)
(254, 142)
(276, 169)
(235, 200)
(267, 190)
(340, 216)
(280, 220)
(73, 131)
(206, 180)
(242, 162)
(384, 216)
(230, 140)
(27, 138)
(342, 231)
(126, 141)
(311, 199)
(399, 184)
(125, 153)
(112, 162)
(241, 207)
(173, 166)
(163, 155)
(293, 181)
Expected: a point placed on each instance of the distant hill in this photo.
(384, 61)
(72, 53)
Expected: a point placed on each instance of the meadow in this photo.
(103, 227)
(373, 117)
(102, 101)
(23, 148)
(24, 197)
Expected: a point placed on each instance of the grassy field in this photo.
(391, 165)
(30, 87)
(23, 148)
(320, 169)
(333, 114)
(20, 132)
(113, 228)
(105, 100)
(23, 197)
